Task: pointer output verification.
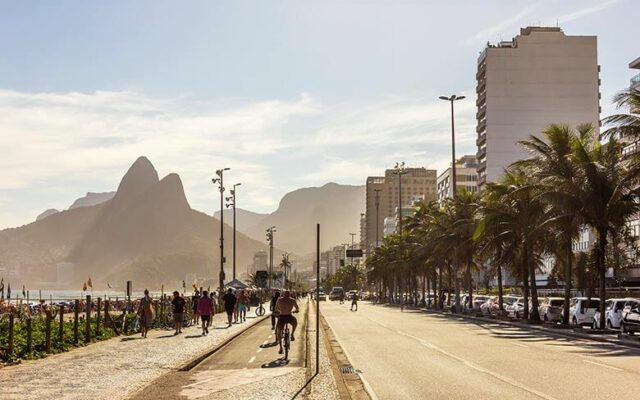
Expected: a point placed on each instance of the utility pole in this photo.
(233, 204)
(270, 241)
(352, 236)
(399, 170)
(220, 181)
(452, 99)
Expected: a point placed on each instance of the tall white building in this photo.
(466, 178)
(540, 77)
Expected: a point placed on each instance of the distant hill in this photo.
(336, 207)
(47, 213)
(147, 233)
(92, 199)
(245, 220)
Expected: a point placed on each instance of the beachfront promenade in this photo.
(115, 368)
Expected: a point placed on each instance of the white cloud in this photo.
(56, 139)
(502, 27)
(583, 12)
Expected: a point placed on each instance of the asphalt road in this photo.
(415, 355)
(251, 357)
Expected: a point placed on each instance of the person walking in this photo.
(230, 301)
(194, 306)
(354, 302)
(145, 313)
(213, 297)
(178, 311)
(206, 311)
(243, 302)
(272, 308)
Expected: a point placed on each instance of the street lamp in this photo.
(270, 231)
(452, 99)
(233, 204)
(220, 181)
(377, 192)
(352, 236)
(400, 170)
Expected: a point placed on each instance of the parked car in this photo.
(350, 294)
(613, 312)
(335, 293)
(320, 295)
(515, 309)
(630, 322)
(551, 309)
(582, 309)
(478, 300)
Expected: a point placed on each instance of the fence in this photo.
(35, 330)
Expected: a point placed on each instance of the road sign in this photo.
(354, 253)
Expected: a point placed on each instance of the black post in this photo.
(29, 335)
(47, 331)
(99, 305)
(61, 327)
(11, 324)
(87, 322)
(317, 301)
(453, 153)
(221, 233)
(76, 311)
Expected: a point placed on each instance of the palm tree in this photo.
(555, 175)
(607, 193)
(625, 125)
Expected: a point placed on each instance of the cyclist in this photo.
(354, 302)
(285, 307)
(272, 308)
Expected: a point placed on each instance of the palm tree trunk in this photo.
(602, 269)
(535, 314)
(500, 303)
(457, 284)
(449, 284)
(567, 279)
(525, 283)
(425, 281)
(440, 299)
(470, 286)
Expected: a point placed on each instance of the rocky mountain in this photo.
(335, 207)
(47, 213)
(147, 233)
(92, 199)
(245, 220)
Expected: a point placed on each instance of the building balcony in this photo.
(482, 126)
(482, 139)
(482, 152)
(482, 84)
(635, 81)
(482, 99)
(482, 112)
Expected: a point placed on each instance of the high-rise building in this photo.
(260, 261)
(635, 80)
(466, 178)
(540, 77)
(382, 194)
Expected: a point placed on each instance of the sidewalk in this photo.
(114, 369)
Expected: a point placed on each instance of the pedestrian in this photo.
(213, 296)
(178, 311)
(242, 306)
(354, 302)
(272, 308)
(145, 313)
(342, 297)
(229, 304)
(205, 309)
(194, 306)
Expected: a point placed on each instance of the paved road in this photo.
(415, 355)
(250, 358)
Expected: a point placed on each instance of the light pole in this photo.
(452, 99)
(399, 170)
(220, 181)
(377, 191)
(233, 204)
(352, 236)
(270, 241)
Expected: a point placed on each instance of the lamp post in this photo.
(377, 192)
(352, 236)
(270, 231)
(233, 204)
(220, 181)
(452, 99)
(399, 170)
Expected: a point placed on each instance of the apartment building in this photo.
(466, 178)
(540, 77)
(383, 197)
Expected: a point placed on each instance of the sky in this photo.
(287, 94)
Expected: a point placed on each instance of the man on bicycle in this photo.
(285, 306)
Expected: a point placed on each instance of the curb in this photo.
(351, 385)
(558, 332)
(189, 365)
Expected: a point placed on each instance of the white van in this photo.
(582, 309)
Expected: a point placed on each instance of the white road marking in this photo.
(479, 368)
(518, 344)
(252, 359)
(266, 341)
(603, 365)
(379, 323)
(259, 350)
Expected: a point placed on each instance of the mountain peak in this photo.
(140, 176)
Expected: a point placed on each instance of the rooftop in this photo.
(635, 64)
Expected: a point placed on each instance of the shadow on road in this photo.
(193, 336)
(126, 339)
(280, 362)
(270, 344)
(305, 386)
(165, 336)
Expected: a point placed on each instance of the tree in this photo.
(625, 125)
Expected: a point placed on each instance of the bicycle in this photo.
(287, 341)
(260, 310)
